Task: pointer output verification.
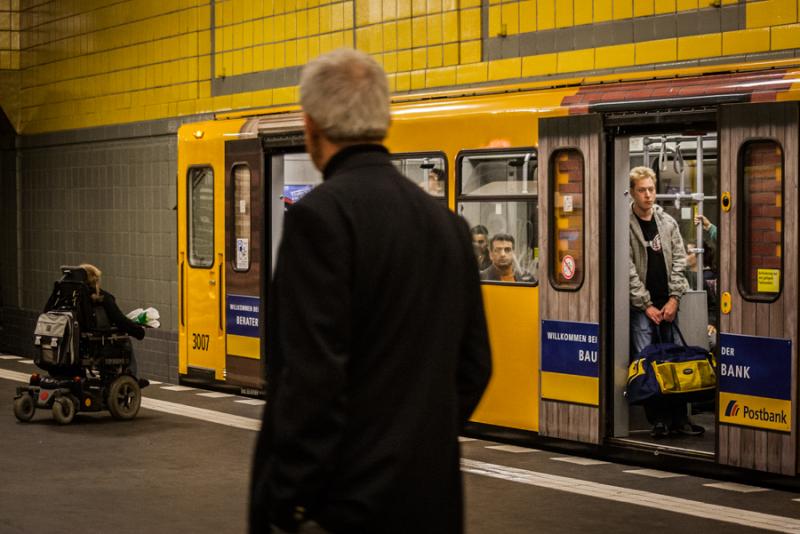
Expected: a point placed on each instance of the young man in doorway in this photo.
(657, 283)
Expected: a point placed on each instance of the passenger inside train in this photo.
(709, 283)
(657, 284)
(480, 245)
(504, 267)
(436, 181)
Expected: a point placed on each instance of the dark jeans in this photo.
(645, 332)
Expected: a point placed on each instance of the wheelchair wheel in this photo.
(124, 398)
(63, 410)
(24, 408)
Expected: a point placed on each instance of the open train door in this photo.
(244, 227)
(758, 240)
(571, 171)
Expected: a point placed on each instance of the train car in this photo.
(547, 164)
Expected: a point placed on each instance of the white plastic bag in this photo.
(149, 317)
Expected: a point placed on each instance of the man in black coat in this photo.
(377, 344)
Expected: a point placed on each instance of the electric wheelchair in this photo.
(86, 359)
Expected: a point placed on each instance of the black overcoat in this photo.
(377, 355)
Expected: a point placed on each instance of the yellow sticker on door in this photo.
(769, 280)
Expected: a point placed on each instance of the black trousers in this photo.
(671, 412)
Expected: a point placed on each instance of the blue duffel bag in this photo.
(669, 370)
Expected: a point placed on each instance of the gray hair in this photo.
(346, 93)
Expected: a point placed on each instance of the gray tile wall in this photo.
(8, 230)
(109, 203)
(696, 22)
(106, 196)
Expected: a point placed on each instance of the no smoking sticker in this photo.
(568, 267)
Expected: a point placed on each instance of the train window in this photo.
(201, 216)
(493, 174)
(499, 199)
(427, 171)
(761, 213)
(566, 224)
(241, 217)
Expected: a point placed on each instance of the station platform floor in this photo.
(183, 465)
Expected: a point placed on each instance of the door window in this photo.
(201, 216)
(761, 212)
(241, 217)
(567, 186)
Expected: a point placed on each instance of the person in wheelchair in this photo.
(83, 341)
(114, 317)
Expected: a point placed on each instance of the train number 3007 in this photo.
(200, 341)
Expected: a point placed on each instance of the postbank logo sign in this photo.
(732, 410)
(758, 412)
(755, 382)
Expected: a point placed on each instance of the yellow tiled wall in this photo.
(9, 54)
(253, 35)
(82, 63)
(9, 34)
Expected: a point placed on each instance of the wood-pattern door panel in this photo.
(758, 319)
(571, 170)
(244, 231)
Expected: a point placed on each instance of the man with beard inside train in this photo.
(504, 267)
(377, 344)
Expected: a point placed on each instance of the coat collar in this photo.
(356, 155)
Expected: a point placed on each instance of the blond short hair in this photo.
(93, 275)
(640, 173)
(346, 94)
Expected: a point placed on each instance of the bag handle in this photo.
(661, 340)
(680, 334)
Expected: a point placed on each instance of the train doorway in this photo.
(684, 160)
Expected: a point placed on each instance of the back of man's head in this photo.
(346, 94)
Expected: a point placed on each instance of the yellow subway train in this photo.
(547, 164)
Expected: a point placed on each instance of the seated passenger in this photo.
(436, 181)
(115, 316)
(504, 266)
(480, 245)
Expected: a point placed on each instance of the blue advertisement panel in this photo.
(755, 382)
(293, 193)
(242, 315)
(757, 366)
(571, 348)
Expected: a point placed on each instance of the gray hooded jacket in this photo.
(674, 256)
